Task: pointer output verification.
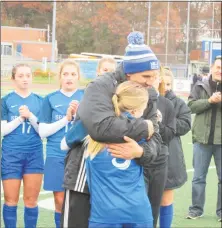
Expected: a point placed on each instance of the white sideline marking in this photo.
(191, 170)
(41, 193)
(47, 204)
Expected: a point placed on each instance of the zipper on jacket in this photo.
(217, 86)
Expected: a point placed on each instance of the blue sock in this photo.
(10, 216)
(31, 217)
(166, 216)
(57, 218)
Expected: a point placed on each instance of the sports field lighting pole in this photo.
(212, 33)
(53, 33)
(188, 33)
(167, 31)
(149, 17)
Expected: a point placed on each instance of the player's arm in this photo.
(34, 119)
(8, 127)
(46, 127)
(26, 114)
(98, 116)
(75, 135)
(34, 122)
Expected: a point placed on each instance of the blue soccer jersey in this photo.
(24, 138)
(117, 190)
(55, 106)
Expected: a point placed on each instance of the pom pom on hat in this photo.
(138, 56)
(135, 38)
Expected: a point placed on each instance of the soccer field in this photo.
(182, 195)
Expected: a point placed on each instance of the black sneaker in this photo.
(193, 215)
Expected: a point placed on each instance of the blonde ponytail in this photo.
(129, 96)
(161, 88)
(116, 105)
(94, 147)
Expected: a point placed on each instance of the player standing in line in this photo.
(177, 175)
(22, 153)
(56, 116)
(157, 172)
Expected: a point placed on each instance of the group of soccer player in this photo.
(26, 118)
(129, 190)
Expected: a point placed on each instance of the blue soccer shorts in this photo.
(15, 164)
(54, 174)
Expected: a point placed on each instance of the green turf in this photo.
(182, 195)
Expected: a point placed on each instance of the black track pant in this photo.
(75, 210)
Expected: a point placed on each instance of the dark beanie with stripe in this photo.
(138, 56)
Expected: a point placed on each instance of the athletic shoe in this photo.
(219, 219)
(193, 215)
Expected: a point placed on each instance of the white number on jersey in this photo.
(28, 128)
(122, 166)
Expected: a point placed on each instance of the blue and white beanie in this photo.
(138, 57)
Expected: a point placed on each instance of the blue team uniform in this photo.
(22, 151)
(55, 106)
(117, 189)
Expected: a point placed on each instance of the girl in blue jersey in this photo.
(56, 116)
(22, 153)
(117, 189)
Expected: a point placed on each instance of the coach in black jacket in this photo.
(98, 116)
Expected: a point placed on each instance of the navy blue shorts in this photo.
(15, 164)
(126, 225)
(54, 174)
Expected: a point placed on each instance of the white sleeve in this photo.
(46, 130)
(8, 127)
(33, 120)
(63, 145)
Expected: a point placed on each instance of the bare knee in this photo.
(11, 201)
(167, 198)
(58, 201)
(30, 201)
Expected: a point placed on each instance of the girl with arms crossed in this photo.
(56, 116)
(22, 153)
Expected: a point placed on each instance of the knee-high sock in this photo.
(166, 216)
(31, 217)
(57, 218)
(10, 216)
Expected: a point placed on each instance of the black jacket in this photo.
(98, 116)
(167, 128)
(177, 174)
